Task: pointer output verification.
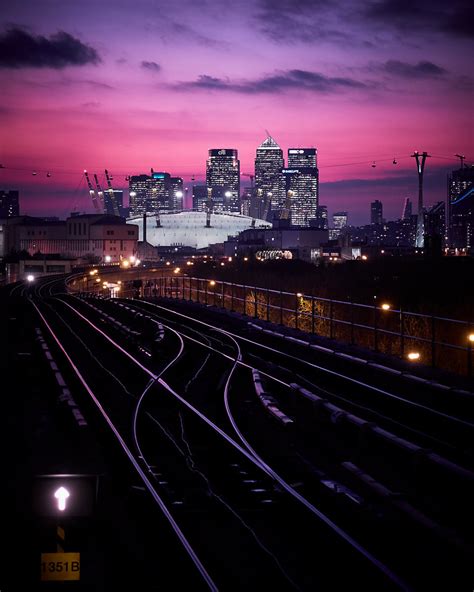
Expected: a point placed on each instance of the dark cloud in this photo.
(151, 66)
(419, 70)
(306, 21)
(454, 17)
(21, 49)
(277, 83)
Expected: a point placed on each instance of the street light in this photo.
(108, 258)
(471, 337)
(385, 306)
(30, 278)
(413, 356)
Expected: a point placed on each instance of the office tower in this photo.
(301, 184)
(150, 194)
(176, 193)
(108, 203)
(269, 163)
(223, 178)
(301, 188)
(339, 221)
(139, 188)
(302, 157)
(407, 209)
(376, 212)
(9, 204)
(160, 198)
(435, 220)
(246, 201)
(461, 208)
(199, 197)
(321, 220)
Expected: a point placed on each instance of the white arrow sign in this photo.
(61, 495)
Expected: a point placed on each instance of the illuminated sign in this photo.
(290, 171)
(65, 495)
(158, 175)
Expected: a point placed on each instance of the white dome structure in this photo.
(188, 228)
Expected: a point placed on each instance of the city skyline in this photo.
(151, 84)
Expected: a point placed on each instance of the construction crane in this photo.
(208, 207)
(92, 192)
(462, 158)
(100, 193)
(111, 194)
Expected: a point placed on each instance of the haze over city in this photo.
(133, 85)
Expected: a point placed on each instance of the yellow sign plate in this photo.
(60, 566)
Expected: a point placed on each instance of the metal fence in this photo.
(440, 342)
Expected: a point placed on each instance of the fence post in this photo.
(331, 316)
(433, 341)
(182, 293)
(281, 307)
(197, 290)
(469, 355)
(222, 295)
(255, 311)
(268, 305)
(296, 311)
(205, 290)
(232, 297)
(376, 344)
(245, 300)
(352, 321)
(312, 314)
(402, 334)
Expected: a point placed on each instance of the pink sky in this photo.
(360, 89)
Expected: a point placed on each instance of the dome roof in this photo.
(189, 228)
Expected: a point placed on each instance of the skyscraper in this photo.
(269, 163)
(407, 209)
(9, 204)
(322, 218)
(155, 193)
(139, 189)
(302, 157)
(376, 212)
(339, 221)
(461, 208)
(199, 197)
(176, 193)
(301, 185)
(223, 177)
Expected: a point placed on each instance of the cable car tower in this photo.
(420, 223)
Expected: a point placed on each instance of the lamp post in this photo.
(470, 342)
